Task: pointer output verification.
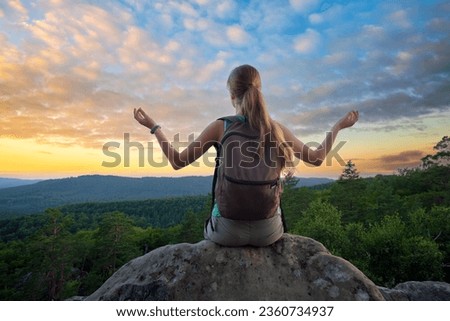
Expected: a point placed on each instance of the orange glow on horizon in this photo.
(24, 158)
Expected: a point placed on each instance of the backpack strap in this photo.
(213, 189)
(228, 120)
(283, 218)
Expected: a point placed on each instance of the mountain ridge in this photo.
(6, 182)
(34, 198)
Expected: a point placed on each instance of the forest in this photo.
(35, 198)
(394, 228)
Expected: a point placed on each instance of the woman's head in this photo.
(244, 84)
(241, 79)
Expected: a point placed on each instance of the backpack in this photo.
(245, 185)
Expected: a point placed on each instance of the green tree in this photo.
(322, 222)
(295, 201)
(113, 243)
(426, 188)
(421, 260)
(51, 259)
(192, 227)
(433, 225)
(14, 272)
(393, 254)
(383, 243)
(152, 238)
(83, 247)
(354, 249)
(381, 199)
(350, 198)
(350, 172)
(442, 155)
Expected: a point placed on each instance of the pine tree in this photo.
(350, 172)
(113, 243)
(52, 259)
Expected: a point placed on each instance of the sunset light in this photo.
(71, 73)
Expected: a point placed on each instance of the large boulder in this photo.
(418, 291)
(294, 268)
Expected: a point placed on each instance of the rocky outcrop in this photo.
(418, 291)
(294, 268)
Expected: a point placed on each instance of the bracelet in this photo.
(154, 129)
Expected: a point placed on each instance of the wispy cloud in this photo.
(304, 5)
(405, 159)
(237, 35)
(307, 42)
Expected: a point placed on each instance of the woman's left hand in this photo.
(143, 118)
(348, 120)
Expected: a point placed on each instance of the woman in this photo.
(244, 84)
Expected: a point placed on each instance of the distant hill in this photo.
(313, 181)
(35, 198)
(13, 182)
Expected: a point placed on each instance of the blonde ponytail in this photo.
(255, 110)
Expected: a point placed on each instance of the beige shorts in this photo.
(240, 233)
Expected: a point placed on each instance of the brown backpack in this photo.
(245, 185)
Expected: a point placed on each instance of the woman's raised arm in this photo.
(318, 155)
(210, 135)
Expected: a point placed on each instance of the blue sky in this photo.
(72, 71)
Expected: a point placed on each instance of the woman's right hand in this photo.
(143, 118)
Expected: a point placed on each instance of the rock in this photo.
(76, 298)
(294, 268)
(418, 291)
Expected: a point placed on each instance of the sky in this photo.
(71, 73)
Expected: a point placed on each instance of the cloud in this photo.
(237, 35)
(202, 2)
(400, 18)
(316, 18)
(74, 73)
(405, 159)
(225, 8)
(196, 24)
(209, 70)
(307, 42)
(386, 79)
(185, 8)
(303, 6)
(18, 7)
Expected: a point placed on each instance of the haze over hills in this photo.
(35, 198)
(13, 182)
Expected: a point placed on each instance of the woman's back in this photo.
(248, 183)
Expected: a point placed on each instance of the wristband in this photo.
(154, 129)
